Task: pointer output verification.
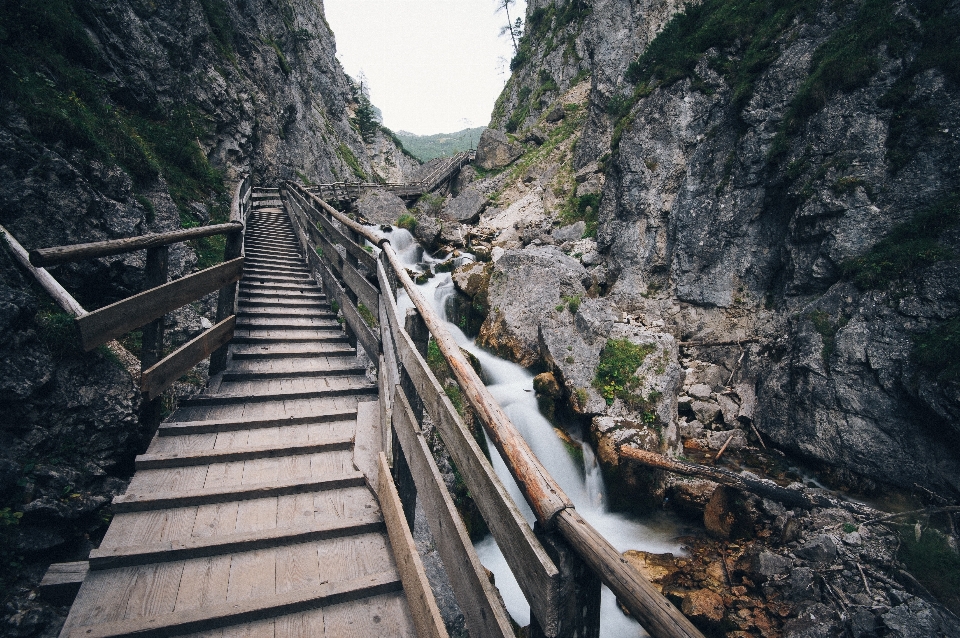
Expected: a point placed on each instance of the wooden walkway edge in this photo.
(255, 511)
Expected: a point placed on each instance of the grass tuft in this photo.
(616, 374)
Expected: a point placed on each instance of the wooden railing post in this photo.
(578, 608)
(152, 349)
(227, 300)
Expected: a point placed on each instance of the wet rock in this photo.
(495, 150)
(546, 384)
(691, 429)
(916, 618)
(821, 550)
(816, 621)
(731, 514)
(703, 607)
(705, 411)
(764, 565)
(654, 567)
(381, 206)
(473, 279)
(466, 207)
(729, 408)
(716, 440)
(689, 496)
(427, 232)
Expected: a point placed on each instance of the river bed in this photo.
(512, 387)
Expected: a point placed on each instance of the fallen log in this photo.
(761, 487)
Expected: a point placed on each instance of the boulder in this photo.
(495, 150)
(729, 408)
(427, 231)
(748, 401)
(381, 207)
(525, 286)
(717, 440)
(466, 207)
(556, 114)
(703, 607)
(705, 411)
(573, 232)
(700, 391)
(472, 279)
(821, 550)
(465, 176)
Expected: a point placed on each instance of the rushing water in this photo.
(512, 387)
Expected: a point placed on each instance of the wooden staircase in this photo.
(247, 515)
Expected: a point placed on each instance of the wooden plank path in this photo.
(247, 515)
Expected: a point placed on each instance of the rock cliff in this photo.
(118, 118)
(773, 186)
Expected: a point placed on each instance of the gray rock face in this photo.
(496, 151)
(573, 232)
(466, 207)
(381, 207)
(526, 285)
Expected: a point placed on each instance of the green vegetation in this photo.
(281, 58)
(908, 247)
(616, 374)
(428, 147)
(51, 70)
(827, 329)
(224, 36)
(939, 350)
(747, 33)
(398, 142)
(367, 316)
(364, 119)
(58, 333)
(345, 154)
(583, 208)
(407, 221)
(572, 302)
(927, 555)
(544, 25)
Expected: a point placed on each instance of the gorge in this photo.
(724, 232)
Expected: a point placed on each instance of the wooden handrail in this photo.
(65, 254)
(549, 503)
(63, 298)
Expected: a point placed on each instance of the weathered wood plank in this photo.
(62, 581)
(65, 254)
(123, 316)
(423, 606)
(366, 293)
(477, 597)
(235, 613)
(179, 428)
(154, 461)
(367, 338)
(337, 236)
(367, 522)
(160, 500)
(165, 372)
(536, 574)
(63, 298)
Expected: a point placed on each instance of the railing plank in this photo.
(366, 293)
(368, 340)
(164, 373)
(365, 258)
(538, 577)
(477, 597)
(65, 254)
(423, 606)
(100, 326)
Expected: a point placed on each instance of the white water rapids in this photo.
(512, 387)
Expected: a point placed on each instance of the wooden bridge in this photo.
(445, 169)
(279, 502)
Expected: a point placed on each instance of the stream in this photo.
(512, 387)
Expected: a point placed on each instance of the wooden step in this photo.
(215, 426)
(212, 617)
(236, 399)
(304, 352)
(301, 340)
(256, 286)
(254, 275)
(291, 304)
(267, 313)
(281, 293)
(370, 521)
(298, 374)
(157, 461)
(189, 498)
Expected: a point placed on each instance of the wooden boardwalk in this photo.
(247, 515)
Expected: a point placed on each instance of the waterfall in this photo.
(512, 387)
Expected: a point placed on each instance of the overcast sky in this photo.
(432, 66)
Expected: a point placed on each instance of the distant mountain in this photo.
(428, 147)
